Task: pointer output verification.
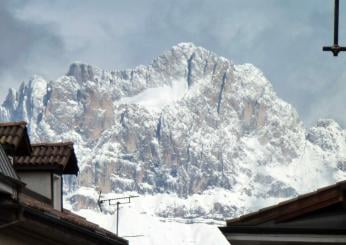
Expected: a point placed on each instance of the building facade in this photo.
(31, 206)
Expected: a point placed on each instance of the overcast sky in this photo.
(284, 38)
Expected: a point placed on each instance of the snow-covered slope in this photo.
(209, 136)
(140, 224)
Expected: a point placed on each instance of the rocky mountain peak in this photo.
(83, 72)
(190, 122)
(328, 135)
(328, 123)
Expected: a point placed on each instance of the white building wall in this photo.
(39, 182)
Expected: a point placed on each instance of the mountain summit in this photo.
(190, 123)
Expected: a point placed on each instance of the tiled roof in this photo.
(292, 208)
(6, 167)
(58, 156)
(69, 217)
(14, 137)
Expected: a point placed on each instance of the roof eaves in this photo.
(97, 234)
(332, 194)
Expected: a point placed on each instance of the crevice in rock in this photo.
(189, 70)
(205, 67)
(39, 118)
(29, 101)
(122, 118)
(214, 69)
(47, 96)
(158, 128)
(188, 153)
(131, 76)
(221, 92)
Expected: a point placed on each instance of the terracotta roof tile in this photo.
(59, 156)
(65, 215)
(15, 136)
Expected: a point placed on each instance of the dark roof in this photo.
(296, 207)
(70, 218)
(14, 137)
(53, 156)
(6, 167)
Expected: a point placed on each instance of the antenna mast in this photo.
(118, 203)
(335, 48)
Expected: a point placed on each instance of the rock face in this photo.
(188, 123)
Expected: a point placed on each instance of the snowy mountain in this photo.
(201, 137)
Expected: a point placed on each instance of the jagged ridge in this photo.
(189, 122)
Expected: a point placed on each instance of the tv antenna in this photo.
(117, 203)
(335, 48)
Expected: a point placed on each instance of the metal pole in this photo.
(335, 48)
(336, 23)
(100, 201)
(118, 203)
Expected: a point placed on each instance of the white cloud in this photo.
(284, 38)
